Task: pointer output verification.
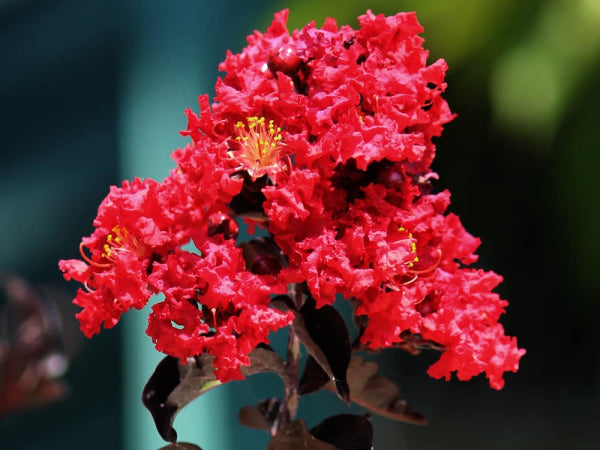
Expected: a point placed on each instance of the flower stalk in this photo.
(291, 398)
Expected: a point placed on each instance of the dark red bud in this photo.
(390, 177)
(265, 265)
(222, 223)
(284, 60)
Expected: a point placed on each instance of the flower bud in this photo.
(284, 60)
(390, 177)
(265, 265)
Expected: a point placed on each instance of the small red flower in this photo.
(129, 232)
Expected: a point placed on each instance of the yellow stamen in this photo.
(261, 148)
(428, 269)
(413, 250)
(118, 240)
(88, 260)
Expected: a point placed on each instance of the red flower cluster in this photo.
(324, 138)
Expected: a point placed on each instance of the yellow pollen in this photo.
(261, 148)
(120, 239)
(413, 247)
(413, 272)
(427, 269)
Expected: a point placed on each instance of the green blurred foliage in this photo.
(534, 82)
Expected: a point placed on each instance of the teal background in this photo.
(93, 92)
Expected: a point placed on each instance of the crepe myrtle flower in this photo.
(131, 232)
(322, 137)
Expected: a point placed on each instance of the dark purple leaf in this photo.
(325, 335)
(264, 359)
(313, 378)
(173, 385)
(251, 417)
(180, 446)
(346, 432)
(283, 303)
(295, 436)
(376, 393)
(262, 416)
(156, 392)
(269, 408)
(361, 323)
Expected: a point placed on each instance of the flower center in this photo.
(118, 240)
(412, 271)
(261, 149)
(413, 247)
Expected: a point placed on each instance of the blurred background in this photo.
(93, 92)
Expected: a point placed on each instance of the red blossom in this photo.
(324, 138)
(213, 305)
(133, 227)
